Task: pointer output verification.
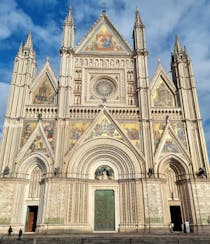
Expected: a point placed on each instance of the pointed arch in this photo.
(176, 162)
(25, 167)
(116, 154)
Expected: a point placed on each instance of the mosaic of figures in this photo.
(104, 128)
(104, 62)
(170, 145)
(132, 130)
(158, 129)
(178, 128)
(49, 132)
(180, 132)
(37, 145)
(29, 127)
(44, 93)
(162, 96)
(76, 130)
(103, 40)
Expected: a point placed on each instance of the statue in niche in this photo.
(104, 172)
(6, 171)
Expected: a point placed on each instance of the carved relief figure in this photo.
(104, 172)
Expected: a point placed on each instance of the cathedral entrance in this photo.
(104, 219)
(176, 217)
(31, 218)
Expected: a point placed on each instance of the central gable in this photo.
(103, 38)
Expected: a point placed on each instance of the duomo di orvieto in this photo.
(103, 148)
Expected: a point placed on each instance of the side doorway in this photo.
(31, 218)
(176, 217)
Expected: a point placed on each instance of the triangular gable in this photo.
(30, 125)
(44, 88)
(162, 89)
(103, 38)
(170, 144)
(37, 142)
(104, 127)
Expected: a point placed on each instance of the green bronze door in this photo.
(104, 210)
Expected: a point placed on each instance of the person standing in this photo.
(10, 231)
(20, 233)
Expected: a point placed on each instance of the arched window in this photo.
(34, 186)
(171, 184)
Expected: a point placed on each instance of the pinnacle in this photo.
(177, 45)
(69, 18)
(20, 50)
(138, 21)
(29, 43)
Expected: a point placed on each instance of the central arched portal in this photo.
(110, 168)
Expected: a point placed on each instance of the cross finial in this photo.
(104, 7)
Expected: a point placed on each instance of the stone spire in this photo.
(177, 46)
(29, 43)
(138, 21)
(138, 33)
(69, 19)
(20, 50)
(69, 31)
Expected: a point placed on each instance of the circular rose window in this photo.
(104, 88)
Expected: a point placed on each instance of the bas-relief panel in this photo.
(76, 130)
(158, 129)
(162, 96)
(104, 128)
(44, 93)
(132, 130)
(103, 40)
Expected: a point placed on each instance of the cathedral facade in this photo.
(103, 148)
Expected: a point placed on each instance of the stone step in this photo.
(104, 240)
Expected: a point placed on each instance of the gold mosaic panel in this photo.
(170, 145)
(179, 130)
(44, 93)
(37, 145)
(162, 96)
(76, 130)
(132, 131)
(28, 128)
(104, 128)
(103, 40)
(49, 132)
(158, 129)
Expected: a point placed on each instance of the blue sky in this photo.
(163, 19)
